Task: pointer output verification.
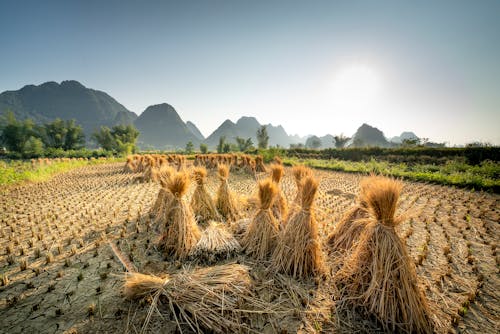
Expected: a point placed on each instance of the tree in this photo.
(203, 148)
(313, 142)
(341, 140)
(75, 138)
(220, 146)
(243, 144)
(16, 133)
(410, 142)
(54, 134)
(189, 147)
(226, 148)
(62, 134)
(104, 138)
(121, 138)
(262, 137)
(33, 147)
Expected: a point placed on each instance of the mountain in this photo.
(407, 135)
(194, 129)
(367, 135)
(326, 141)
(68, 100)
(246, 127)
(162, 128)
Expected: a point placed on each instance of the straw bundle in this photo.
(350, 227)
(226, 204)
(240, 227)
(202, 204)
(279, 206)
(130, 166)
(299, 173)
(163, 200)
(262, 233)
(298, 252)
(379, 275)
(207, 299)
(216, 243)
(259, 164)
(180, 231)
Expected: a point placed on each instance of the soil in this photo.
(59, 273)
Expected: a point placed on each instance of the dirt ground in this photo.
(59, 273)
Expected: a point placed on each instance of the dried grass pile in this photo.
(130, 165)
(261, 236)
(259, 164)
(279, 206)
(299, 173)
(379, 276)
(226, 203)
(352, 224)
(206, 299)
(298, 252)
(202, 204)
(180, 233)
(216, 243)
(164, 198)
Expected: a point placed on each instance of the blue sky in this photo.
(316, 67)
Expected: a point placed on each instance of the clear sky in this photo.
(316, 67)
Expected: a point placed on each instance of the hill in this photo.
(68, 100)
(162, 128)
(246, 127)
(367, 135)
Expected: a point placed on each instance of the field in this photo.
(60, 272)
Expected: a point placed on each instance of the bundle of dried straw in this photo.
(207, 299)
(202, 204)
(379, 275)
(180, 232)
(216, 243)
(261, 236)
(298, 252)
(226, 204)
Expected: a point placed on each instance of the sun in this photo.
(355, 87)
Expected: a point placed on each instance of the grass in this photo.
(454, 173)
(16, 171)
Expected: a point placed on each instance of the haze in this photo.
(316, 67)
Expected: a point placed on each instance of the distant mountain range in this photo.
(160, 125)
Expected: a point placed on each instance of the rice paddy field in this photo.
(65, 245)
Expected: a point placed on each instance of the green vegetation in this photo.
(120, 138)
(484, 176)
(30, 140)
(16, 171)
(262, 137)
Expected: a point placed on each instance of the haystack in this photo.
(130, 166)
(298, 252)
(164, 198)
(299, 173)
(180, 232)
(262, 233)
(216, 243)
(380, 276)
(202, 204)
(207, 299)
(226, 203)
(279, 206)
(259, 164)
(350, 227)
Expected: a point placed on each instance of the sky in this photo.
(315, 67)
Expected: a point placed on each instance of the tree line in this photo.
(28, 139)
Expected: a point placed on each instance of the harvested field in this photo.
(59, 242)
